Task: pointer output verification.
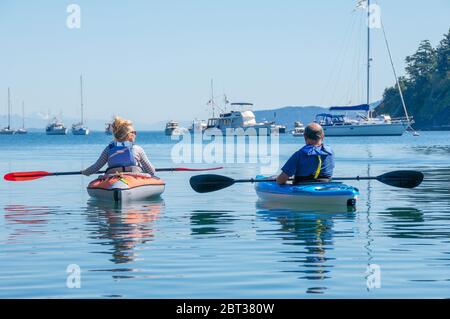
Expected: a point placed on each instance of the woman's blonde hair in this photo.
(121, 128)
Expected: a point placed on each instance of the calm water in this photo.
(224, 244)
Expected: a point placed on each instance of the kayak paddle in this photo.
(211, 183)
(28, 176)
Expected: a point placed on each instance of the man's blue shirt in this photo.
(305, 162)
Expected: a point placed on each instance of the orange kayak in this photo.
(126, 187)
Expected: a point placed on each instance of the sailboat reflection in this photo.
(311, 231)
(209, 222)
(124, 226)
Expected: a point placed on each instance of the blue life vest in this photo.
(120, 154)
(311, 161)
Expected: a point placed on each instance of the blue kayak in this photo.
(314, 193)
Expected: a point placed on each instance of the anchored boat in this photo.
(8, 130)
(80, 128)
(56, 127)
(244, 120)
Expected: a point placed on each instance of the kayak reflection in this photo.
(309, 234)
(26, 222)
(124, 226)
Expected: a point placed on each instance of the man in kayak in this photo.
(122, 155)
(313, 162)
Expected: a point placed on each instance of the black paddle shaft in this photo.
(210, 182)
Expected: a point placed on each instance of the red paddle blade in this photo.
(25, 176)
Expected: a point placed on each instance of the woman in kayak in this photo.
(122, 155)
(313, 162)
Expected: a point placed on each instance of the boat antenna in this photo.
(81, 98)
(368, 56)
(23, 114)
(212, 96)
(9, 109)
(225, 101)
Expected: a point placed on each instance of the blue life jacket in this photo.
(311, 161)
(120, 154)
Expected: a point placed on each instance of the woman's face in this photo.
(132, 135)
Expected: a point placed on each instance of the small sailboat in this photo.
(365, 124)
(8, 130)
(80, 128)
(22, 130)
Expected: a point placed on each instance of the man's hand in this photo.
(282, 178)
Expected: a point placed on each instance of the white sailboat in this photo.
(80, 128)
(8, 130)
(365, 124)
(22, 130)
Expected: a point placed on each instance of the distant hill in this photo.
(289, 114)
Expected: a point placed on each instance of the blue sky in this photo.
(153, 60)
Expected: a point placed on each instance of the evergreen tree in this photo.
(422, 64)
(426, 87)
(443, 55)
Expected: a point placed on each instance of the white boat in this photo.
(245, 120)
(80, 128)
(299, 129)
(198, 126)
(56, 127)
(341, 125)
(8, 130)
(170, 127)
(365, 124)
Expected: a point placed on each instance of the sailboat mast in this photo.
(81, 98)
(23, 114)
(9, 110)
(212, 95)
(368, 55)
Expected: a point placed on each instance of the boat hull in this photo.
(57, 132)
(80, 131)
(126, 187)
(7, 132)
(396, 129)
(332, 193)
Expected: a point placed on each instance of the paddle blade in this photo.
(25, 176)
(210, 183)
(403, 179)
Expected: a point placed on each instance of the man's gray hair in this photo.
(314, 132)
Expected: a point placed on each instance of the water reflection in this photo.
(123, 226)
(26, 221)
(210, 222)
(408, 223)
(311, 231)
